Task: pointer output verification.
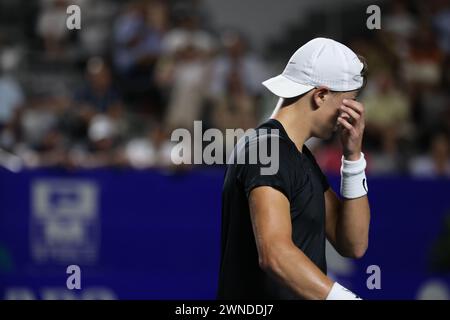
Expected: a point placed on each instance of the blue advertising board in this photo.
(156, 235)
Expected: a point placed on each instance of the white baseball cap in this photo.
(319, 62)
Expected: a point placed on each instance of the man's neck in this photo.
(296, 125)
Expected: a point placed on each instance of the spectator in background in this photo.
(422, 71)
(430, 105)
(42, 143)
(95, 35)
(445, 116)
(387, 122)
(441, 23)
(437, 162)
(150, 151)
(12, 101)
(103, 148)
(138, 34)
(399, 26)
(235, 109)
(51, 27)
(98, 120)
(11, 98)
(137, 43)
(185, 70)
(399, 21)
(236, 84)
(99, 93)
(102, 132)
(237, 59)
(424, 58)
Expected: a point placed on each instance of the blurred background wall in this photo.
(86, 117)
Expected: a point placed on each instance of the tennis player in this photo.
(274, 227)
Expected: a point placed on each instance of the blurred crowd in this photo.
(111, 93)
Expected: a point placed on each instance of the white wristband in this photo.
(353, 178)
(338, 292)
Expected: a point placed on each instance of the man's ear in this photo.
(319, 96)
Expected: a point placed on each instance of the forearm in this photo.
(352, 227)
(293, 268)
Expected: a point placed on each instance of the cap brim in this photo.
(286, 88)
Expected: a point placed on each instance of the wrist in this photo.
(353, 156)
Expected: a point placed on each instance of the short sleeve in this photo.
(258, 174)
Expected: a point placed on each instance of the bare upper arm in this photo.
(271, 219)
(270, 215)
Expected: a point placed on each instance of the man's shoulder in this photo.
(263, 142)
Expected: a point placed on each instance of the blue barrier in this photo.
(156, 235)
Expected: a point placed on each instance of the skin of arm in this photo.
(347, 224)
(278, 256)
(347, 220)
